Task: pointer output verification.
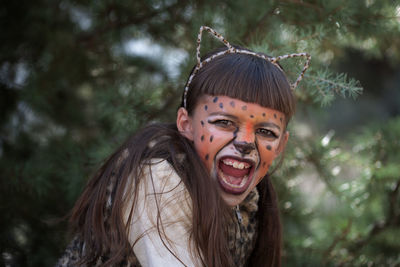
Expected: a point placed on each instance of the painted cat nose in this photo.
(244, 147)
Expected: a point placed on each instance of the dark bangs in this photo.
(245, 77)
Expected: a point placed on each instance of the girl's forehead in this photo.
(212, 104)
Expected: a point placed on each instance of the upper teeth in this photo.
(236, 165)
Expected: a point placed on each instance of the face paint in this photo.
(237, 145)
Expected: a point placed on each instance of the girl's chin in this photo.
(231, 199)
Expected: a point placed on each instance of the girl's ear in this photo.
(282, 143)
(184, 123)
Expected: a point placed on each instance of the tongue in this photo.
(235, 173)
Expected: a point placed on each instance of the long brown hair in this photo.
(102, 228)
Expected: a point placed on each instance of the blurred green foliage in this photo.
(78, 77)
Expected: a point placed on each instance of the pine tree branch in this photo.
(335, 85)
(328, 84)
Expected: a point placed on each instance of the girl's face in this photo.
(236, 140)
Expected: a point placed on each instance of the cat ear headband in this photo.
(233, 50)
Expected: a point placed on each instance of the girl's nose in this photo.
(244, 147)
(245, 134)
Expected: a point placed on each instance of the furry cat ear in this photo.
(216, 35)
(231, 49)
(305, 67)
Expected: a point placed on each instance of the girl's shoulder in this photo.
(161, 222)
(159, 188)
(161, 176)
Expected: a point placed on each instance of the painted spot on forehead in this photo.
(269, 147)
(207, 156)
(205, 107)
(251, 116)
(211, 138)
(202, 138)
(263, 114)
(244, 107)
(221, 105)
(215, 99)
(232, 103)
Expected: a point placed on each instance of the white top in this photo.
(162, 191)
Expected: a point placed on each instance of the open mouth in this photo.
(235, 174)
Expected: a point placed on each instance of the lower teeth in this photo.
(242, 183)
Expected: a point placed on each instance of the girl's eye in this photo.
(266, 133)
(222, 123)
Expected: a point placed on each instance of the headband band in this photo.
(233, 50)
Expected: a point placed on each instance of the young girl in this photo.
(198, 192)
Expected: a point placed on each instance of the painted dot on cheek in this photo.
(244, 107)
(207, 157)
(275, 116)
(202, 123)
(235, 132)
(269, 147)
(205, 107)
(202, 138)
(251, 116)
(232, 103)
(211, 138)
(280, 119)
(215, 99)
(263, 114)
(221, 105)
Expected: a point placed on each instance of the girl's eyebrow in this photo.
(262, 124)
(269, 124)
(223, 114)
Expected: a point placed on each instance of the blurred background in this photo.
(78, 77)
